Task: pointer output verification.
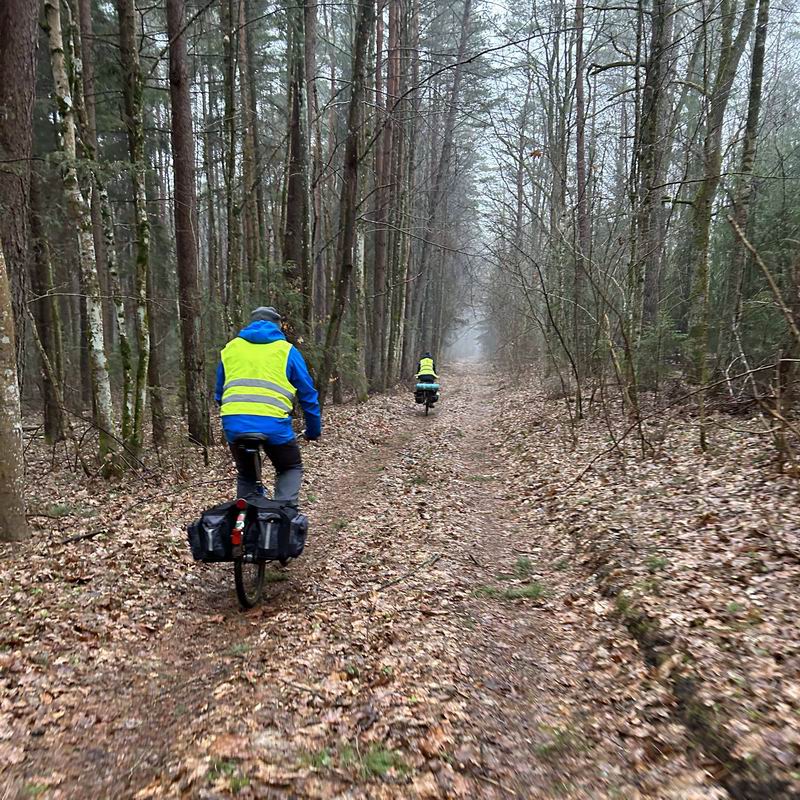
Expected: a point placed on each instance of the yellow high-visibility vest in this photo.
(426, 367)
(255, 379)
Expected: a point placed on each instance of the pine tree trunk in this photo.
(18, 37)
(81, 217)
(296, 255)
(191, 314)
(215, 275)
(252, 251)
(375, 362)
(318, 248)
(233, 294)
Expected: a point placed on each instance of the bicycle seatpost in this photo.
(257, 465)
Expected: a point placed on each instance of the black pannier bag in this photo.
(276, 533)
(273, 532)
(210, 537)
(298, 530)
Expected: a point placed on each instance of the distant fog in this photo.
(465, 345)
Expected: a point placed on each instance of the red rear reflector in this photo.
(241, 504)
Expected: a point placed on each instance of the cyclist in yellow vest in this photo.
(426, 369)
(258, 376)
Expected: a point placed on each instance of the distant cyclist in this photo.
(426, 369)
(258, 376)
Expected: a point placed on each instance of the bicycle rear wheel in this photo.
(249, 579)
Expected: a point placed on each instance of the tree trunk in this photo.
(730, 52)
(154, 377)
(744, 192)
(18, 32)
(318, 244)
(215, 279)
(652, 155)
(102, 213)
(84, 50)
(348, 200)
(583, 239)
(233, 296)
(375, 363)
(81, 217)
(13, 524)
(47, 319)
(191, 313)
(252, 250)
(133, 93)
(296, 254)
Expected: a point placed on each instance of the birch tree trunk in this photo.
(102, 213)
(80, 214)
(83, 38)
(191, 314)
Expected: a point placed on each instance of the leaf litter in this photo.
(444, 635)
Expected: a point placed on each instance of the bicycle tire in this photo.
(249, 579)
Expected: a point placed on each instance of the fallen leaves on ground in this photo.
(443, 635)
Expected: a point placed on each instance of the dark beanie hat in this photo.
(265, 314)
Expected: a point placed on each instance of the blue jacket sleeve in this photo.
(297, 373)
(220, 383)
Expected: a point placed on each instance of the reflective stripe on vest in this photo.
(255, 379)
(426, 367)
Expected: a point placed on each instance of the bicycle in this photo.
(277, 531)
(427, 394)
(249, 572)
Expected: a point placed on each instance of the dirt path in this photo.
(429, 644)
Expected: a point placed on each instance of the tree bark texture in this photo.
(191, 311)
(18, 31)
(133, 93)
(81, 217)
(13, 524)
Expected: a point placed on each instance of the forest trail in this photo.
(430, 643)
